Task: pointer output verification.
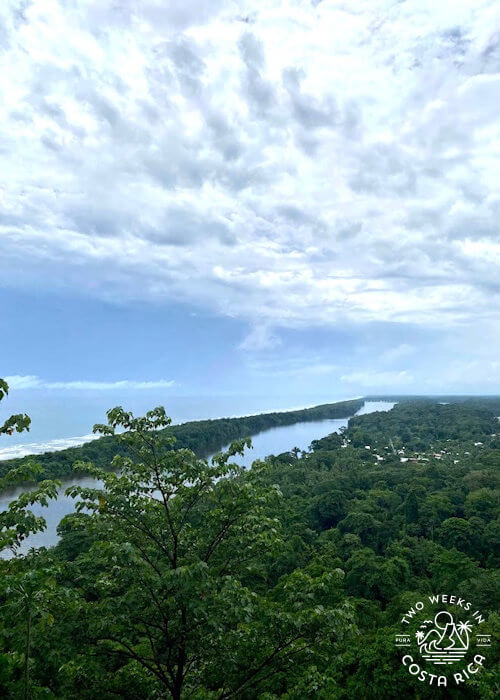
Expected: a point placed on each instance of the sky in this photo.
(229, 206)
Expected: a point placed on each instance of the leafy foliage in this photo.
(18, 521)
(178, 577)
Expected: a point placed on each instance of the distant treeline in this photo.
(418, 424)
(204, 437)
(491, 403)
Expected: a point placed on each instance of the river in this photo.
(272, 441)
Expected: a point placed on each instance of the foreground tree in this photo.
(22, 582)
(18, 521)
(175, 599)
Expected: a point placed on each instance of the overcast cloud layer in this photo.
(288, 164)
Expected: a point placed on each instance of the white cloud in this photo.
(398, 352)
(260, 338)
(378, 379)
(33, 382)
(282, 366)
(17, 381)
(317, 164)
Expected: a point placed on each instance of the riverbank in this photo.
(203, 437)
(274, 440)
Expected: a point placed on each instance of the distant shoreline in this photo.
(58, 444)
(26, 449)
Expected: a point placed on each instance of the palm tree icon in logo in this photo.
(445, 642)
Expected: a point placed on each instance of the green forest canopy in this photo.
(289, 580)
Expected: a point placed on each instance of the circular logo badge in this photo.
(441, 640)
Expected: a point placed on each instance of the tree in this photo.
(458, 533)
(20, 586)
(329, 508)
(362, 524)
(482, 503)
(16, 423)
(449, 568)
(18, 521)
(173, 582)
(411, 507)
(29, 595)
(483, 589)
(436, 508)
(374, 577)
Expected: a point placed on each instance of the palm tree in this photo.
(465, 628)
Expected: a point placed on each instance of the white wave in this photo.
(37, 448)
